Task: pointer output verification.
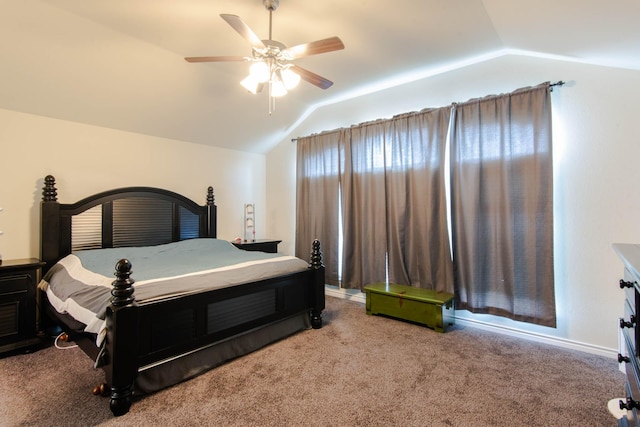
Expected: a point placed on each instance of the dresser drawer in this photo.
(633, 282)
(629, 325)
(632, 371)
(632, 300)
(630, 289)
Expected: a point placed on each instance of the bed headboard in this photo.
(131, 216)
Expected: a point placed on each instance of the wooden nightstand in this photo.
(18, 318)
(262, 245)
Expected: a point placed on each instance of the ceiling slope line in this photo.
(424, 73)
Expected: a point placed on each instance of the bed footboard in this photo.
(151, 333)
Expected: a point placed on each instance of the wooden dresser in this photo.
(629, 352)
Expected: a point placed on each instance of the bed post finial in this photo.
(316, 255)
(317, 282)
(122, 292)
(212, 215)
(120, 315)
(49, 191)
(210, 198)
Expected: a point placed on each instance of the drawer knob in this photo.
(629, 404)
(622, 358)
(630, 324)
(625, 284)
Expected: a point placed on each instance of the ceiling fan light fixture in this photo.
(251, 84)
(259, 70)
(278, 88)
(289, 78)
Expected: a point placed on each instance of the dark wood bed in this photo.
(156, 339)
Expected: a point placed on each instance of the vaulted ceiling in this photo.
(120, 63)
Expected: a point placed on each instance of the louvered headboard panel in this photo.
(132, 216)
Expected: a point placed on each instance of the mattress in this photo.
(80, 284)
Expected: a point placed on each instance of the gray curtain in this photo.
(502, 205)
(418, 241)
(365, 205)
(319, 161)
(395, 224)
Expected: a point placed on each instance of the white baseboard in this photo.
(356, 295)
(350, 294)
(546, 339)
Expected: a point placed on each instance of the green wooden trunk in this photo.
(431, 308)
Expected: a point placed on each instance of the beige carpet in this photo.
(357, 370)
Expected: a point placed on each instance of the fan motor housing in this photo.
(271, 4)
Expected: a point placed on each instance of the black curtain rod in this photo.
(552, 85)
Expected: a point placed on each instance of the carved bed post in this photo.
(122, 344)
(318, 285)
(212, 214)
(49, 223)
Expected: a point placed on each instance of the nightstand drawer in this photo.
(18, 316)
(16, 282)
(10, 317)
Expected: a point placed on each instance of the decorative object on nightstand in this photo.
(18, 313)
(249, 222)
(262, 245)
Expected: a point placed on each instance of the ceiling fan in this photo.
(271, 60)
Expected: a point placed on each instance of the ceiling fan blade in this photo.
(214, 58)
(244, 30)
(314, 48)
(312, 78)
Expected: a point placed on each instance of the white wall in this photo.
(597, 198)
(87, 159)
